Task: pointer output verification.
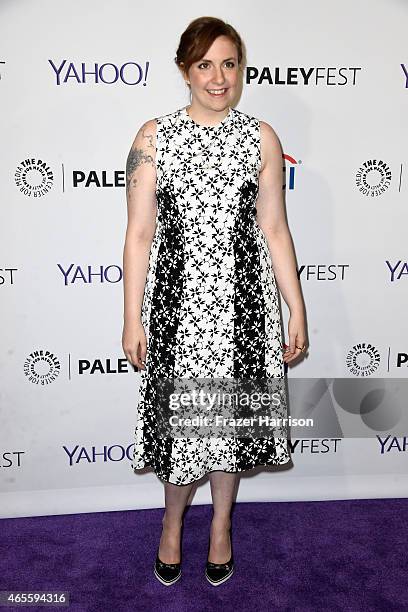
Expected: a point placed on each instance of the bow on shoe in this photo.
(170, 565)
(225, 566)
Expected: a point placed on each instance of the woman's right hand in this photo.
(134, 344)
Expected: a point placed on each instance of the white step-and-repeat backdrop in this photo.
(77, 81)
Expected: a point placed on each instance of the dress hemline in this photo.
(272, 464)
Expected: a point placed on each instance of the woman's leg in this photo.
(222, 491)
(176, 497)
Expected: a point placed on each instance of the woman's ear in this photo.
(183, 72)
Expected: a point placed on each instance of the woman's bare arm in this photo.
(271, 218)
(141, 225)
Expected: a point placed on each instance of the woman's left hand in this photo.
(297, 337)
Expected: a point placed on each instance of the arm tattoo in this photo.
(135, 159)
(149, 137)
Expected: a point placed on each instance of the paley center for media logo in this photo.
(34, 177)
(363, 359)
(373, 177)
(43, 367)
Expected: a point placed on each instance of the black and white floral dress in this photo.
(210, 305)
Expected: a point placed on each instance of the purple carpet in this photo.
(292, 556)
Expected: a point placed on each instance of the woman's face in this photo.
(217, 70)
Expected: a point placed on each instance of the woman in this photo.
(201, 298)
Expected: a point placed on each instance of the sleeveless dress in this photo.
(210, 305)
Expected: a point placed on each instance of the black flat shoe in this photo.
(167, 573)
(217, 573)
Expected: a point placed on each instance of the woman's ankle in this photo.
(172, 522)
(222, 522)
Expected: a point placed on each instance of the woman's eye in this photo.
(231, 64)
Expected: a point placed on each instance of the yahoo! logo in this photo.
(86, 275)
(290, 181)
(116, 452)
(129, 73)
(397, 270)
(393, 443)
